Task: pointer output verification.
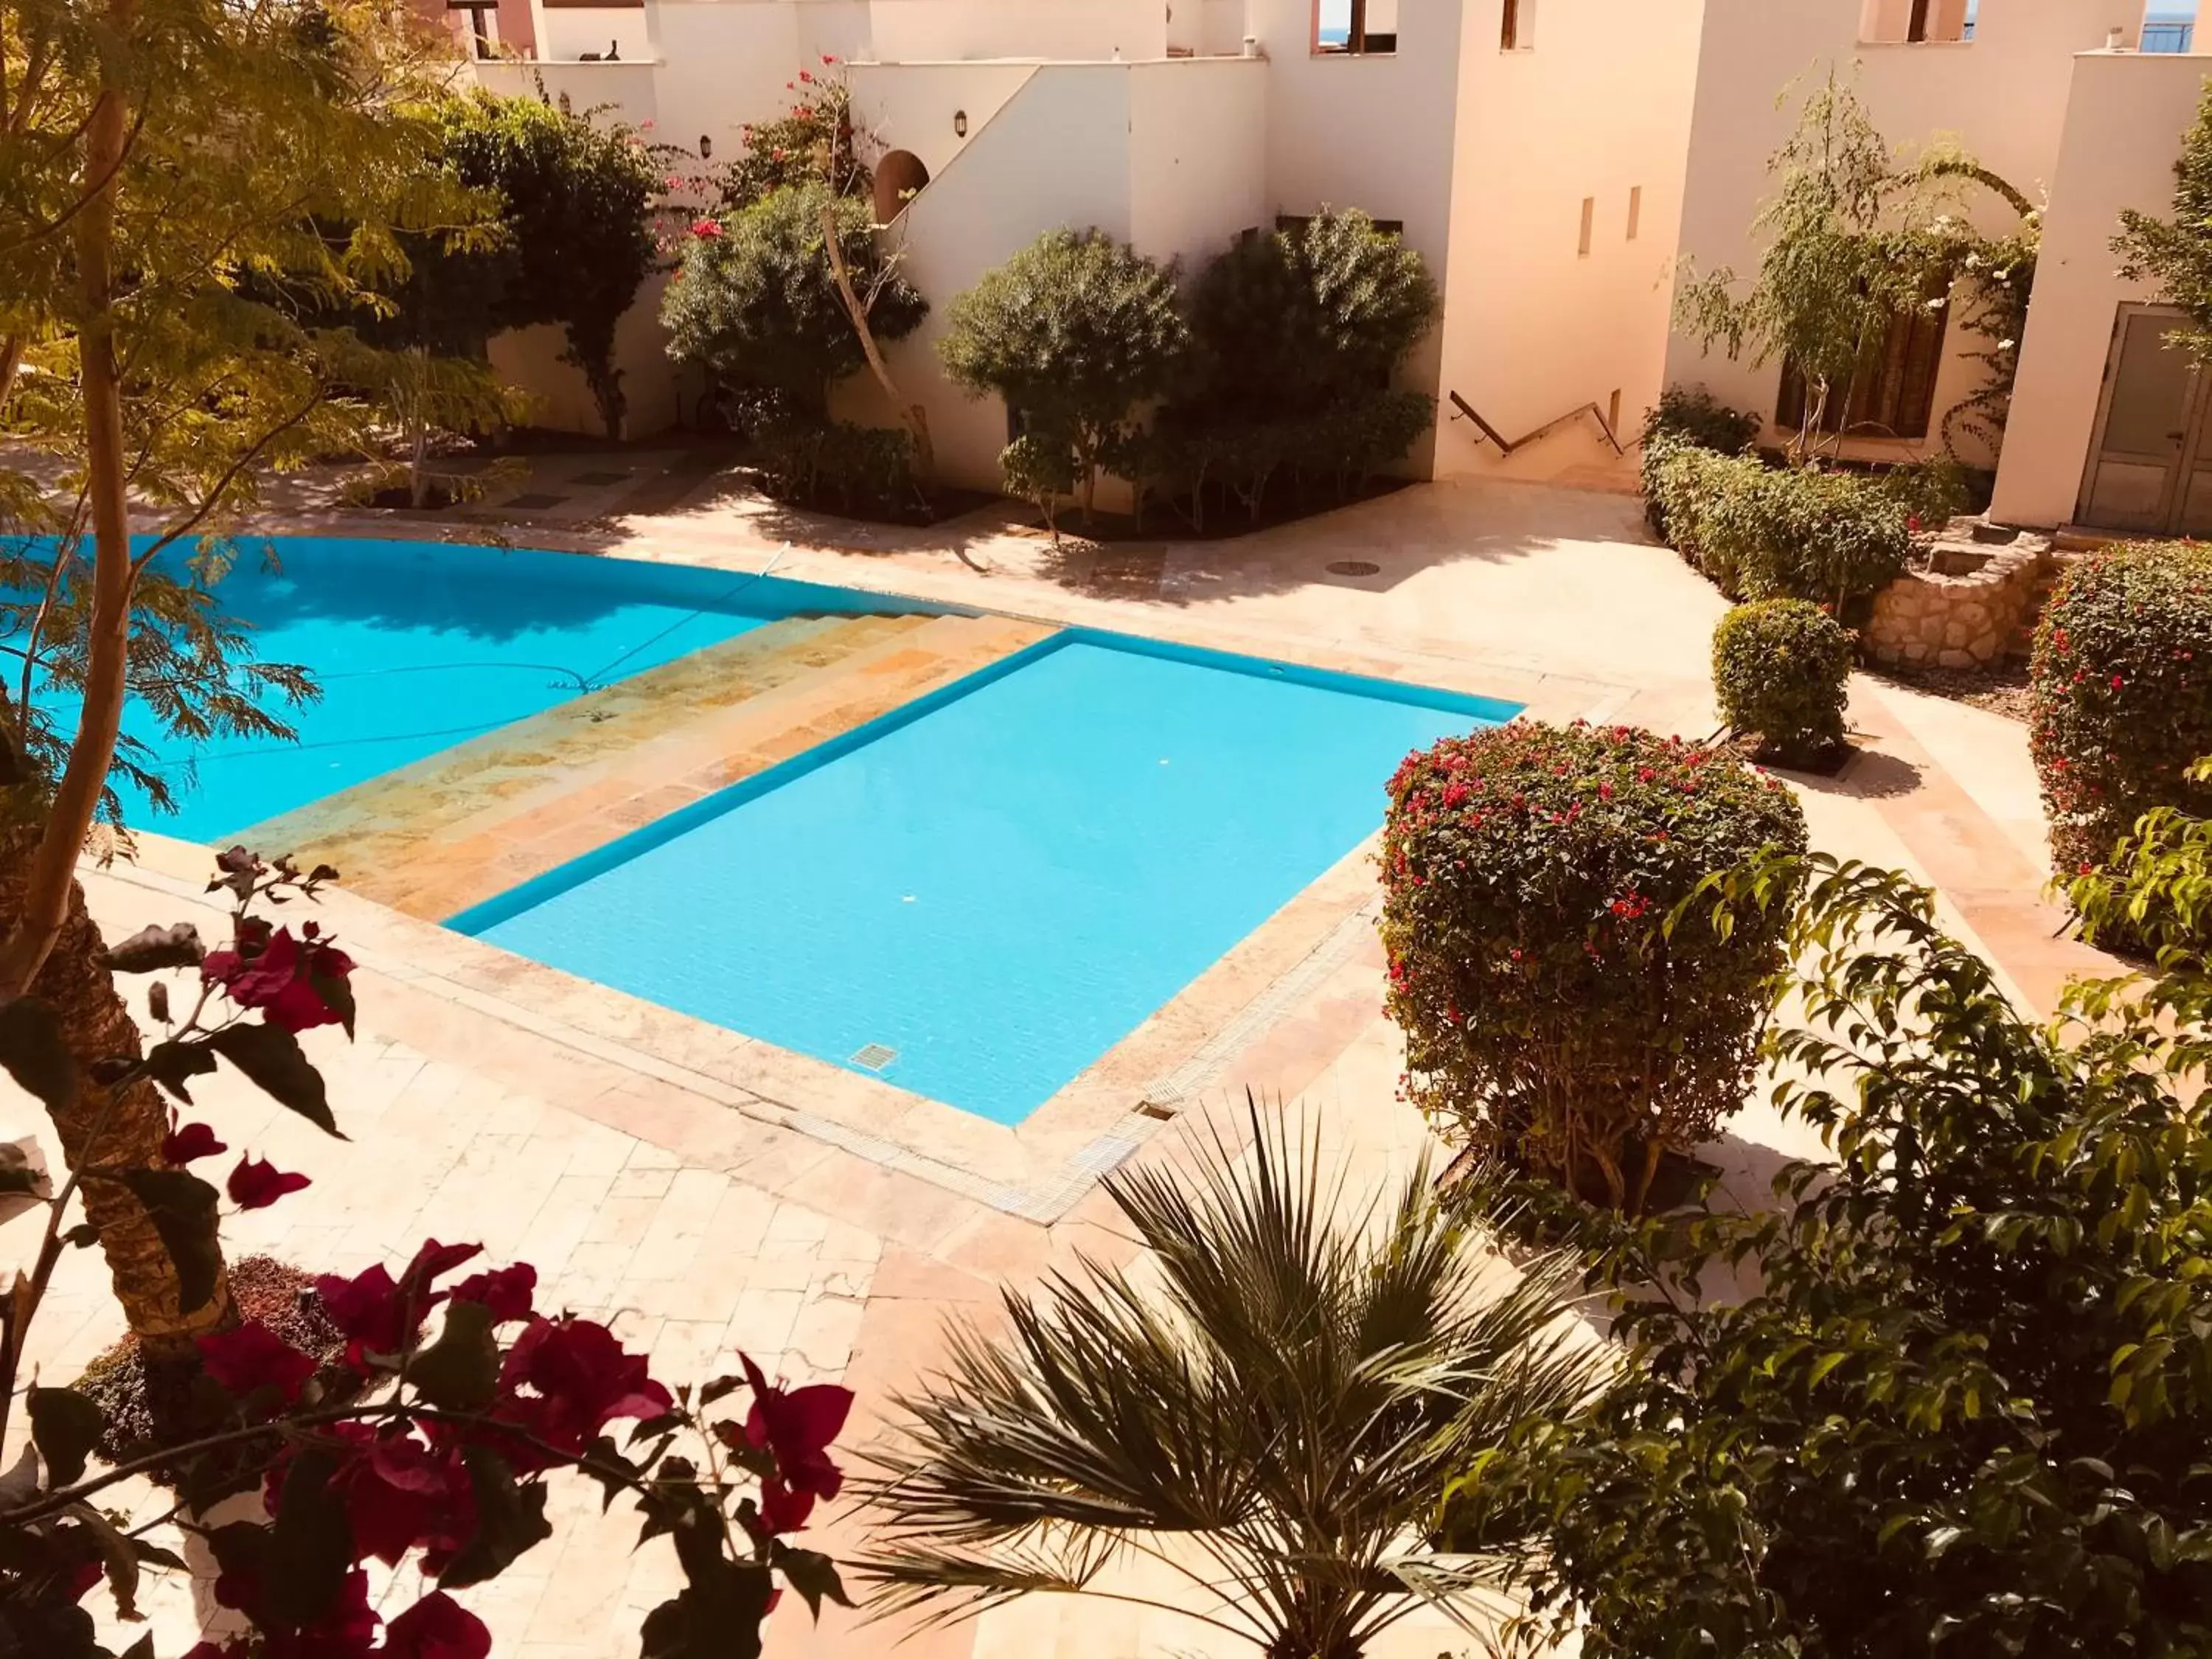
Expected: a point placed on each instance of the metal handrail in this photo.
(1506, 446)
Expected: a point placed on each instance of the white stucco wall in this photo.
(529, 359)
(2001, 95)
(910, 107)
(1079, 29)
(2123, 127)
(629, 89)
(1198, 156)
(1532, 327)
(565, 33)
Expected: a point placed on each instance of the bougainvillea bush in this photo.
(1557, 1013)
(2120, 695)
(1782, 668)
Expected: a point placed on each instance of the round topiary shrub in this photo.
(1551, 1016)
(1782, 668)
(2120, 695)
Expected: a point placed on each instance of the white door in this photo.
(2145, 468)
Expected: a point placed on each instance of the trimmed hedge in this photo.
(2120, 695)
(1690, 417)
(1764, 532)
(1782, 668)
(1551, 1017)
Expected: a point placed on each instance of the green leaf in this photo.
(273, 1062)
(461, 1370)
(510, 1519)
(170, 1063)
(152, 948)
(34, 1055)
(66, 1426)
(311, 1543)
(813, 1575)
(182, 1208)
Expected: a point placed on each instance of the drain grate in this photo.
(873, 1056)
(1354, 567)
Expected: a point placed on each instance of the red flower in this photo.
(781, 1509)
(505, 1290)
(706, 230)
(400, 1495)
(187, 1141)
(254, 1356)
(256, 1183)
(584, 1381)
(377, 1313)
(797, 1426)
(437, 1627)
(806, 76)
(284, 977)
(827, 59)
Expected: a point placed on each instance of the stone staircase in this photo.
(459, 826)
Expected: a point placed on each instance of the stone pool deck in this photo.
(665, 1184)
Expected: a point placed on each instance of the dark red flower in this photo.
(783, 1509)
(796, 1426)
(505, 1290)
(284, 978)
(437, 1627)
(399, 1494)
(254, 1356)
(378, 1314)
(187, 1141)
(583, 1379)
(256, 1183)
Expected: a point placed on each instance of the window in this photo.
(1613, 414)
(1635, 209)
(1517, 26)
(1904, 23)
(1589, 217)
(1892, 394)
(1355, 27)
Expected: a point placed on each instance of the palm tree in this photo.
(1277, 1422)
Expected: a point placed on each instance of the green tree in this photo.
(2175, 255)
(1852, 239)
(577, 203)
(1271, 1423)
(1952, 1394)
(758, 299)
(172, 327)
(1073, 331)
(1296, 319)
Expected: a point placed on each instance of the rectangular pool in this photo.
(976, 895)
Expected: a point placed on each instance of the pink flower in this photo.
(256, 1183)
(707, 229)
(797, 1426)
(187, 1141)
(827, 59)
(297, 983)
(806, 76)
(254, 1356)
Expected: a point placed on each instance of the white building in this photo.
(1531, 150)
(1549, 159)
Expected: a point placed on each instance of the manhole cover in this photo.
(1354, 567)
(874, 1057)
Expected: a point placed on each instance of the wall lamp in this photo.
(960, 123)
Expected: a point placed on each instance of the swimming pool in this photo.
(976, 895)
(417, 645)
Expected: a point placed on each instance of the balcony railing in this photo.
(2168, 34)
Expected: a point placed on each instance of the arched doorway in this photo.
(899, 176)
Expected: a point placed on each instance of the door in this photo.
(2145, 471)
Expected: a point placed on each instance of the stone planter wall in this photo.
(1930, 619)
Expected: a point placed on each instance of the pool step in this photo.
(459, 826)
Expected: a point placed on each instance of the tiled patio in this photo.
(660, 1182)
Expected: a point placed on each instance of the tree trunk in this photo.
(45, 896)
(76, 984)
(916, 417)
(418, 422)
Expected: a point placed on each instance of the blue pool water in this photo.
(418, 646)
(998, 883)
